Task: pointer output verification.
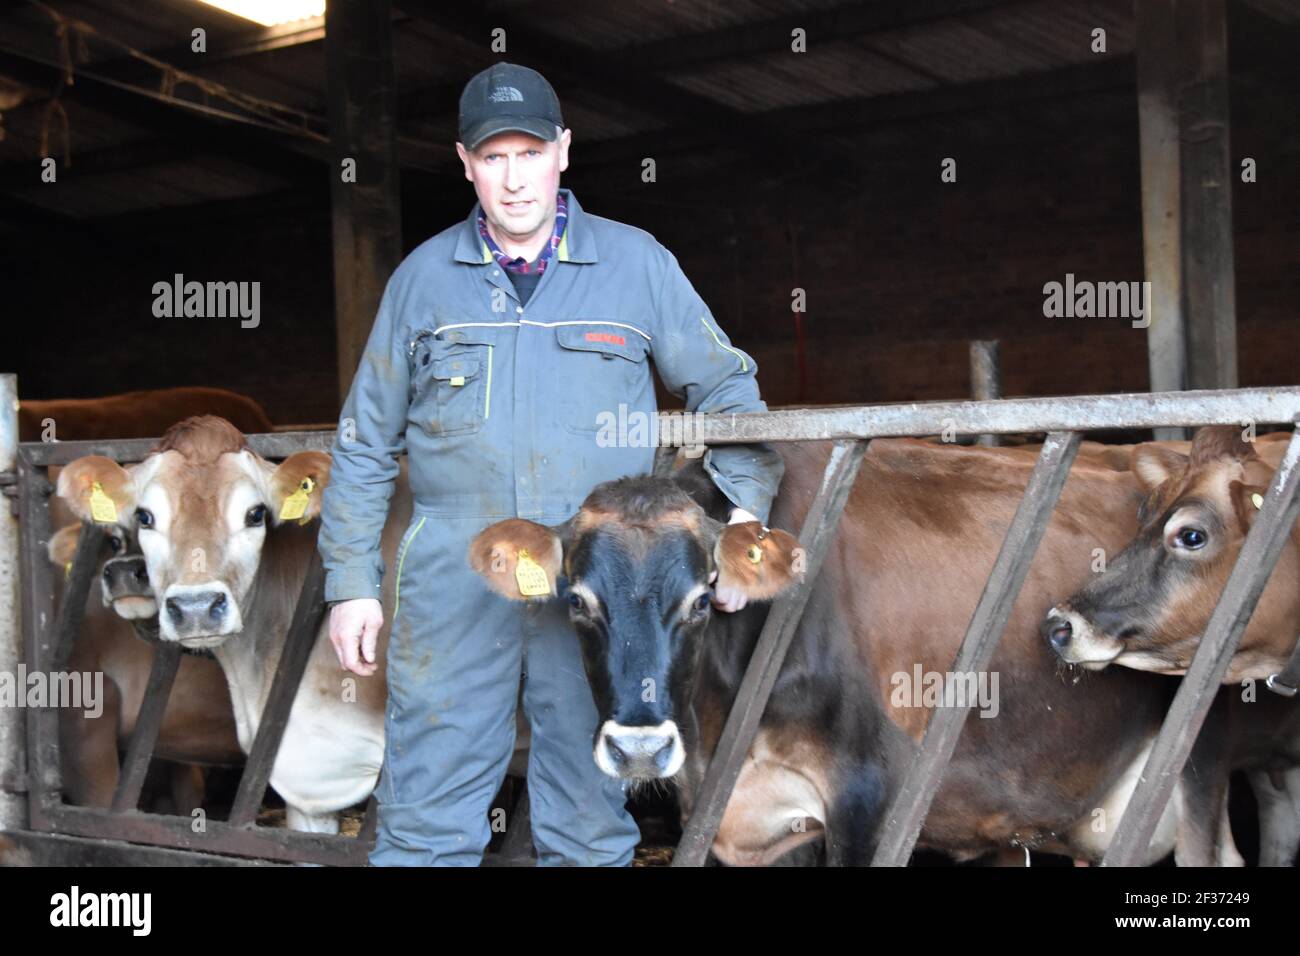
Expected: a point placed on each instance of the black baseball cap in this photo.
(508, 98)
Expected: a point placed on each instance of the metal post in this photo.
(986, 378)
(13, 758)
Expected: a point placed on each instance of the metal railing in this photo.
(851, 428)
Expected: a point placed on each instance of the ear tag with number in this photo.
(531, 576)
(295, 506)
(101, 505)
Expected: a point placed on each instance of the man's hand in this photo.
(726, 598)
(354, 632)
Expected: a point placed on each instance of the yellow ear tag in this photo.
(754, 553)
(1257, 500)
(67, 570)
(458, 380)
(101, 505)
(295, 506)
(531, 576)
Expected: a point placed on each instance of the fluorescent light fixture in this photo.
(270, 13)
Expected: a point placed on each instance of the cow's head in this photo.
(123, 579)
(201, 504)
(636, 564)
(1148, 609)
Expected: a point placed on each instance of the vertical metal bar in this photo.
(986, 378)
(13, 750)
(44, 780)
(148, 723)
(307, 617)
(1268, 535)
(72, 609)
(906, 814)
(742, 723)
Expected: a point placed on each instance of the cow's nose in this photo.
(197, 608)
(142, 574)
(1058, 632)
(627, 750)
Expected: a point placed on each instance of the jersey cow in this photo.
(227, 562)
(198, 728)
(1148, 610)
(1053, 765)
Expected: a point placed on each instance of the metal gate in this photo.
(49, 640)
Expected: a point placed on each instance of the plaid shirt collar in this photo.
(538, 265)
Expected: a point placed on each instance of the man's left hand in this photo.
(725, 598)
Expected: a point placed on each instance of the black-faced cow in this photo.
(1053, 767)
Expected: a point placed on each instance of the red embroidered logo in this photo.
(609, 337)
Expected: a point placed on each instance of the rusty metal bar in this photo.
(1268, 535)
(72, 609)
(148, 724)
(307, 617)
(906, 814)
(124, 450)
(44, 780)
(1005, 416)
(742, 723)
(272, 843)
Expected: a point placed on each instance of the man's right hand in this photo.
(354, 632)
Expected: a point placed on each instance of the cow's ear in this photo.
(63, 545)
(296, 485)
(97, 489)
(1214, 442)
(759, 561)
(517, 558)
(1154, 465)
(1246, 501)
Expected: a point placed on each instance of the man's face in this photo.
(516, 177)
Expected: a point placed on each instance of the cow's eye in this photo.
(702, 602)
(575, 601)
(144, 517)
(115, 545)
(1192, 539)
(256, 515)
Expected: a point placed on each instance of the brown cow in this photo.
(198, 727)
(1150, 607)
(144, 414)
(1052, 769)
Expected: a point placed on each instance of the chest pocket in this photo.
(600, 367)
(451, 380)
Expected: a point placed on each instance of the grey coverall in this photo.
(499, 408)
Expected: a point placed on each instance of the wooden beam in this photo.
(1208, 175)
(363, 129)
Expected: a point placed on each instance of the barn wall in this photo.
(901, 270)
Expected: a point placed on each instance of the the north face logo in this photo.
(506, 94)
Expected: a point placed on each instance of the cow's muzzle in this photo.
(201, 615)
(126, 589)
(640, 753)
(1074, 639)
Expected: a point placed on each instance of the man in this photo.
(498, 345)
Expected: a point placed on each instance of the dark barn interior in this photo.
(915, 178)
(775, 171)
